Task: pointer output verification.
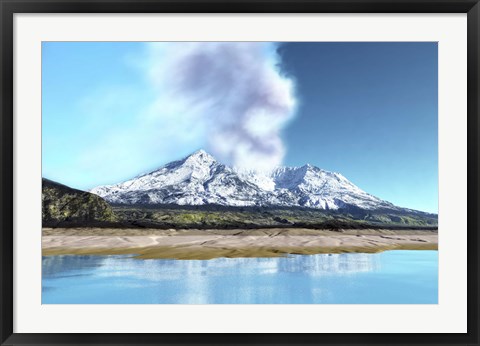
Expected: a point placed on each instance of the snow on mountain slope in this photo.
(199, 179)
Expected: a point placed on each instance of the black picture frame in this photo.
(10, 7)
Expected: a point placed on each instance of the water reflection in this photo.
(159, 270)
(325, 278)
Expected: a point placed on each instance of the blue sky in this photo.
(366, 110)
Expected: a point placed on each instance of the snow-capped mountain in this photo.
(199, 180)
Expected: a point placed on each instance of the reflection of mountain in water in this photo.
(161, 269)
(387, 277)
(58, 266)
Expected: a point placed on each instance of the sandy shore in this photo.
(207, 244)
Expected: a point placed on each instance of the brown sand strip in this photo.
(201, 244)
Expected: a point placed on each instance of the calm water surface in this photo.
(391, 277)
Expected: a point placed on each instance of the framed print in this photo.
(241, 173)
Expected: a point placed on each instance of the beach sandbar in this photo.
(207, 244)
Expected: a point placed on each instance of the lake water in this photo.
(391, 277)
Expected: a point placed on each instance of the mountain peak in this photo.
(309, 167)
(200, 157)
(200, 152)
(199, 179)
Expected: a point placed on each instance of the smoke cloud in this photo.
(233, 93)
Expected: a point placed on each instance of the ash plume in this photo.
(232, 93)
